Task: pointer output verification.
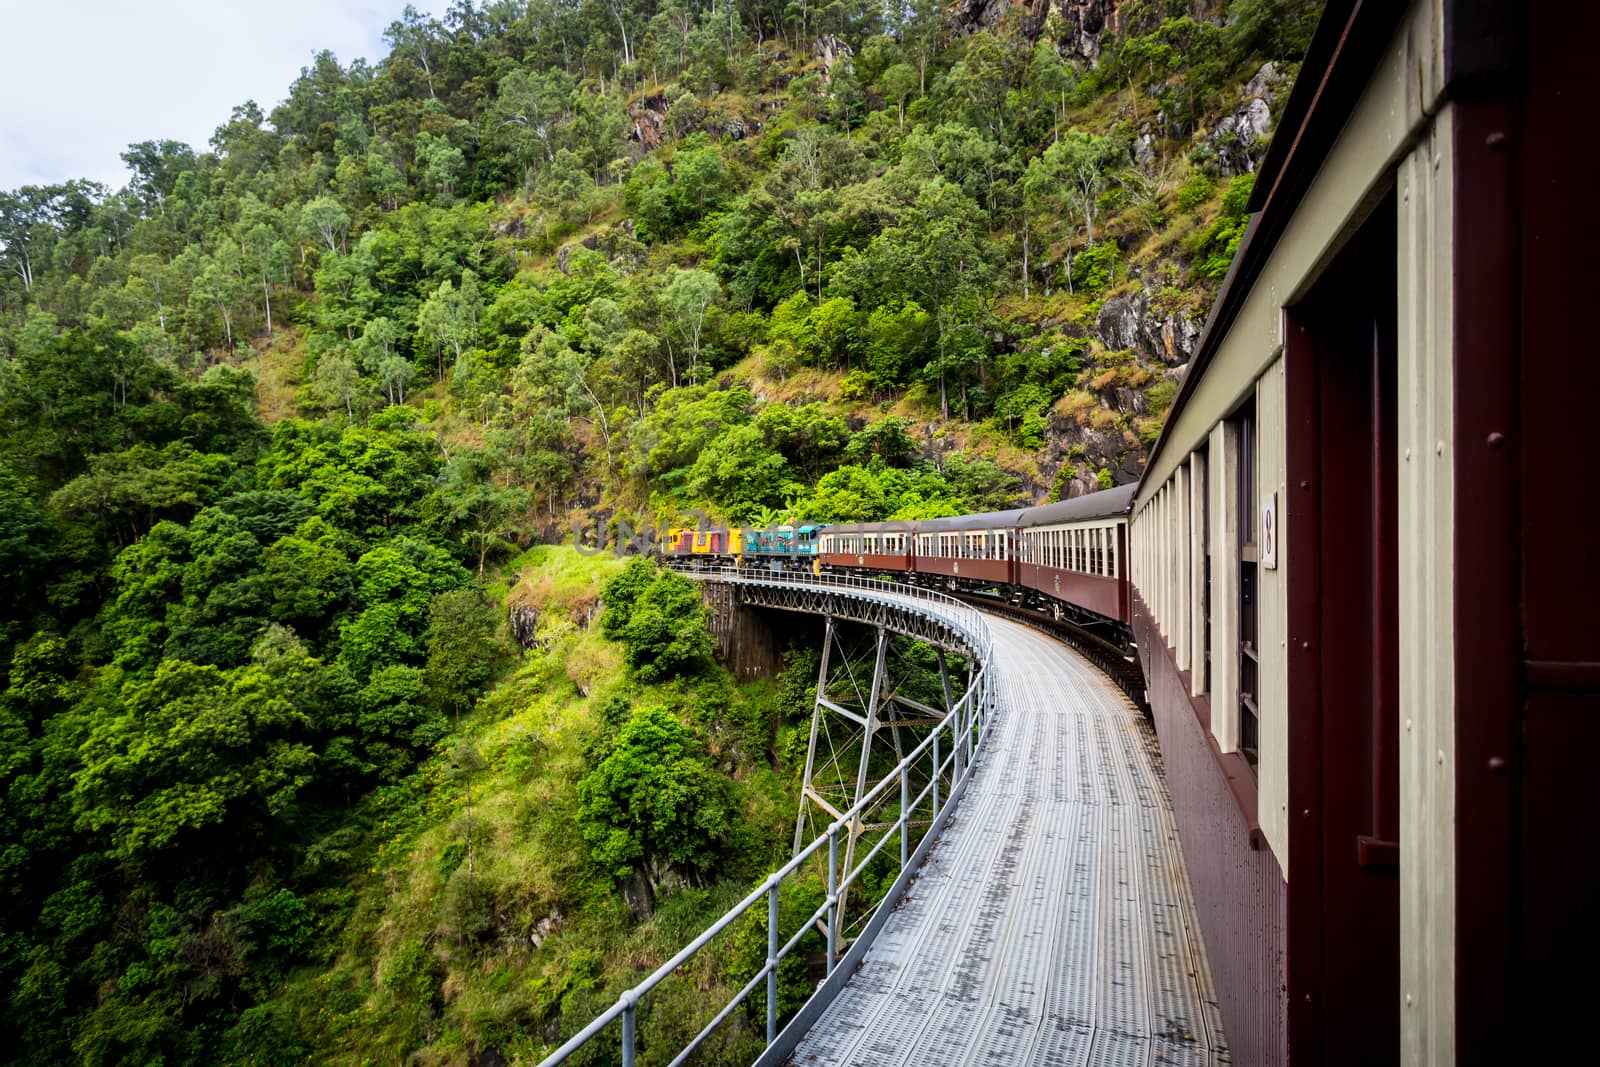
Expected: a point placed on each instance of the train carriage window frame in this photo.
(1249, 591)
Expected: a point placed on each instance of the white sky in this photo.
(80, 80)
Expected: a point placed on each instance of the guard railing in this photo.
(967, 724)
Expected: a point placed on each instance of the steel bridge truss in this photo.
(863, 721)
(871, 708)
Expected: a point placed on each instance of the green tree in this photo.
(654, 803)
(326, 220)
(194, 748)
(688, 297)
(448, 319)
(621, 592)
(936, 257)
(666, 635)
(1082, 163)
(464, 647)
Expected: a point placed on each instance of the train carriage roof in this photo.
(1106, 504)
(989, 520)
(904, 526)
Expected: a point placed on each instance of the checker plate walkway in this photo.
(1053, 922)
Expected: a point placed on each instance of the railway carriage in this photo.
(1373, 669)
(1072, 557)
(967, 553)
(1364, 620)
(867, 547)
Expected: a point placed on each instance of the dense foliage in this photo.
(274, 416)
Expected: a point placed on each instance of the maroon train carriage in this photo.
(968, 552)
(1074, 554)
(863, 547)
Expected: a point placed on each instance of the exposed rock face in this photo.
(969, 16)
(1144, 147)
(649, 121)
(547, 926)
(1086, 20)
(829, 51)
(1083, 21)
(1076, 454)
(640, 896)
(1238, 138)
(1136, 321)
(524, 624)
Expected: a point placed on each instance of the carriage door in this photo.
(1344, 887)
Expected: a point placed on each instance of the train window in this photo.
(1203, 683)
(1249, 656)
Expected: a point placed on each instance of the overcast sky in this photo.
(80, 80)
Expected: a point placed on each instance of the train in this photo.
(1068, 560)
(1354, 566)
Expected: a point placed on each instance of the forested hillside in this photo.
(282, 420)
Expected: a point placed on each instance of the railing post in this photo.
(630, 1026)
(833, 894)
(936, 765)
(772, 962)
(905, 815)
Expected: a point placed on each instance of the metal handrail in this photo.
(967, 619)
(968, 722)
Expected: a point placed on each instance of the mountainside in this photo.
(282, 421)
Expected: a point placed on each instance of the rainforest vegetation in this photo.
(309, 751)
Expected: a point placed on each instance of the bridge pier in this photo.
(857, 724)
(748, 644)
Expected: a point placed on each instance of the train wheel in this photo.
(1055, 610)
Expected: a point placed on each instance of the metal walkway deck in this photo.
(1053, 922)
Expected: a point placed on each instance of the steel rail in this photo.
(968, 722)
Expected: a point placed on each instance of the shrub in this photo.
(1095, 268)
(1196, 191)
